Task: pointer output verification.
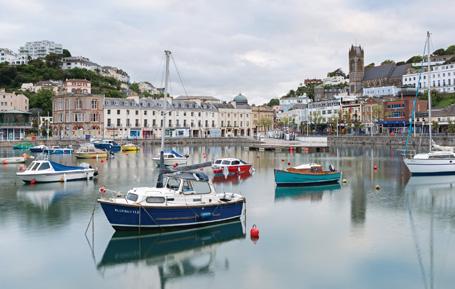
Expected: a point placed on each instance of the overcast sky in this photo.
(221, 48)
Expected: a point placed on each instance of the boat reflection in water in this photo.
(43, 195)
(232, 178)
(304, 192)
(429, 201)
(176, 254)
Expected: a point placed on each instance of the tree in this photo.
(135, 87)
(451, 127)
(414, 59)
(66, 53)
(450, 50)
(336, 72)
(435, 126)
(265, 123)
(439, 52)
(273, 102)
(42, 100)
(388, 61)
(53, 60)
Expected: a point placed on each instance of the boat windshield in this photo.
(173, 183)
(44, 166)
(33, 166)
(235, 163)
(195, 187)
(226, 162)
(217, 162)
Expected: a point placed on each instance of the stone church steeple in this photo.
(356, 69)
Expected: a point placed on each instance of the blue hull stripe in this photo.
(154, 217)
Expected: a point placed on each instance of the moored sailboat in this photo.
(433, 162)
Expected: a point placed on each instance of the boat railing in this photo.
(408, 154)
(108, 194)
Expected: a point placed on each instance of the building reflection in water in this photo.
(175, 255)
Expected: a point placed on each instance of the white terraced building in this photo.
(442, 78)
(142, 118)
(78, 62)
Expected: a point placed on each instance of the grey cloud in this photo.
(261, 48)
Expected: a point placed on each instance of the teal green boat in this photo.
(22, 146)
(307, 175)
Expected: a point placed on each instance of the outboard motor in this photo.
(331, 168)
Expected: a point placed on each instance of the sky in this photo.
(223, 47)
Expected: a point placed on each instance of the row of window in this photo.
(169, 124)
(177, 113)
(61, 104)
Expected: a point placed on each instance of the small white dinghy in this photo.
(12, 160)
(15, 160)
(45, 171)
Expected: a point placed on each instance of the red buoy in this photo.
(33, 181)
(282, 160)
(102, 190)
(375, 166)
(254, 233)
(5, 162)
(289, 163)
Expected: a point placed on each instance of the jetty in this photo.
(301, 144)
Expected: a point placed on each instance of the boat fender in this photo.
(254, 233)
(33, 181)
(377, 187)
(375, 167)
(22, 168)
(289, 163)
(102, 190)
(344, 181)
(5, 162)
(331, 168)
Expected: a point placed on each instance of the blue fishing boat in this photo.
(307, 174)
(38, 149)
(56, 150)
(185, 199)
(107, 145)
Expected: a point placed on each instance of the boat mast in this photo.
(166, 83)
(429, 88)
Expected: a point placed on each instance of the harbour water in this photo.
(380, 229)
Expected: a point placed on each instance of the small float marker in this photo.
(254, 234)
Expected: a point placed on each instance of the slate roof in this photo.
(388, 70)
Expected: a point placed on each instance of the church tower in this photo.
(356, 69)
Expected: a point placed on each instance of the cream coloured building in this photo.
(13, 101)
(142, 118)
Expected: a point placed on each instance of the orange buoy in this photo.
(102, 161)
(254, 233)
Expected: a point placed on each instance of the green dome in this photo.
(241, 99)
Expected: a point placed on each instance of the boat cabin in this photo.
(175, 185)
(229, 162)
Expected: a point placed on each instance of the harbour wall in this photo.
(395, 141)
(170, 141)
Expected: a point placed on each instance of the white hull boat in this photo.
(171, 158)
(432, 163)
(12, 160)
(48, 171)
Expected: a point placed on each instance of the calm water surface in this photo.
(339, 236)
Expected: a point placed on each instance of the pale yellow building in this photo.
(13, 101)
